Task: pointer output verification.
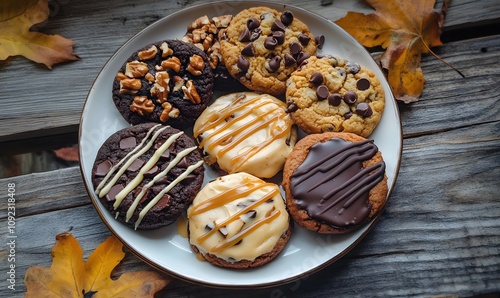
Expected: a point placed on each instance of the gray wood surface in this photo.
(440, 232)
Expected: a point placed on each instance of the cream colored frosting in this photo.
(237, 217)
(246, 132)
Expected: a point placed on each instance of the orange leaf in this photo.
(406, 29)
(70, 276)
(17, 39)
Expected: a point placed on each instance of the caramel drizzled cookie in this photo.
(330, 94)
(168, 82)
(246, 132)
(262, 47)
(238, 221)
(334, 182)
(147, 175)
(205, 33)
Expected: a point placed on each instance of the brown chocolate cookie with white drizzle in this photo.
(147, 175)
(239, 221)
(334, 182)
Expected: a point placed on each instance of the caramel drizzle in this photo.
(239, 191)
(244, 131)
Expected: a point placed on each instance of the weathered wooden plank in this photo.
(437, 236)
(40, 102)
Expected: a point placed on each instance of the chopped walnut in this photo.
(178, 83)
(199, 22)
(196, 65)
(120, 76)
(130, 86)
(167, 107)
(149, 77)
(165, 50)
(172, 63)
(148, 54)
(222, 21)
(160, 89)
(142, 105)
(136, 69)
(190, 93)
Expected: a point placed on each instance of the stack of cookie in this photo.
(275, 88)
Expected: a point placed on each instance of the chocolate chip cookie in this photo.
(239, 221)
(146, 175)
(262, 47)
(334, 182)
(168, 82)
(331, 94)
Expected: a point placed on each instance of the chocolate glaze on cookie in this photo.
(147, 175)
(332, 184)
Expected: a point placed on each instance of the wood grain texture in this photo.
(45, 106)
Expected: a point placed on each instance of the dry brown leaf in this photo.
(67, 153)
(70, 276)
(406, 29)
(17, 39)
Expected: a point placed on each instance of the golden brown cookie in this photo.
(239, 221)
(263, 47)
(334, 182)
(330, 94)
(246, 132)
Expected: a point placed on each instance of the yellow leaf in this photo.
(406, 29)
(17, 39)
(70, 276)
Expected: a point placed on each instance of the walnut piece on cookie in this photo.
(262, 47)
(334, 182)
(331, 94)
(238, 221)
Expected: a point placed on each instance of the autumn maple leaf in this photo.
(406, 29)
(17, 39)
(70, 276)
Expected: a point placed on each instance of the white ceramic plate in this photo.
(164, 248)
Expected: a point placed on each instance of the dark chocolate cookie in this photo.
(168, 82)
(147, 175)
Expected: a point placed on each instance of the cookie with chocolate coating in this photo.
(334, 182)
(147, 175)
(238, 221)
(331, 94)
(263, 47)
(168, 82)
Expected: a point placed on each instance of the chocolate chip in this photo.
(270, 43)
(320, 41)
(189, 178)
(243, 64)
(152, 172)
(248, 50)
(274, 63)
(210, 226)
(287, 17)
(322, 92)
(302, 57)
(223, 231)
(183, 163)
(166, 154)
(348, 115)
(244, 35)
(350, 97)
(111, 195)
(103, 168)
(304, 38)
(289, 60)
(278, 26)
(353, 67)
(129, 142)
(254, 35)
(280, 36)
(364, 110)
(164, 202)
(292, 107)
(363, 84)
(136, 165)
(253, 23)
(316, 78)
(295, 48)
(334, 99)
